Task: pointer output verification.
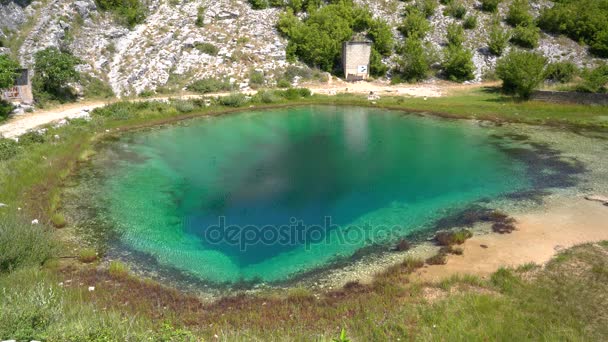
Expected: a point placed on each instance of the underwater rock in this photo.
(597, 198)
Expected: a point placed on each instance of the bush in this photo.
(427, 7)
(458, 64)
(283, 83)
(183, 106)
(207, 48)
(256, 79)
(5, 109)
(233, 100)
(455, 35)
(585, 21)
(209, 85)
(126, 12)
(562, 72)
(415, 61)
(414, 25)
(456, 9)
(31, 137)
(490, 5)
(200, 16)
(470, 22)
(526, 36)
(594, 80)
(521, 72)
(519, 14)
(8, 148)
(23, 244)
(87, 255)
(498, 39)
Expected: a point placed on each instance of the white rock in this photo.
(91, 288)
(35, 221)
(3, 205)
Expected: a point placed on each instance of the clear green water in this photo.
(295, 188)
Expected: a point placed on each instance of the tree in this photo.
(521, 72)
(53, 71)
(8, 71)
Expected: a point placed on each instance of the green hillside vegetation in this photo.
(317, 40)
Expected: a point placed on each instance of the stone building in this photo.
(21, 91)
(355, 59)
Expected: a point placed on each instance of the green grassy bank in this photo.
(45, 274)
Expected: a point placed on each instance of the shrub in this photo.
(23, 244)
(146, 93)
(376, 66)
(427, 7)
(31, 137)
(5, 109)
(415, 61)
(562, 72)
(519, 14)
(455, 35)
(490, 5)
(8, 148)
(207, 48)
(498, 39)
(584, 21)
(233, 100)
(126, 12)
(87, 255)
(458, 64)
(521, 72)
(382, 35)
(526, 36)
(209, 85)
(594, 80)
(118, 269)
(256, 79)
(414, 25)
(183, 106)
(456, 9)
(294, 93)
(258, 4)
(470, 22)
(200, 16)
(283, 83)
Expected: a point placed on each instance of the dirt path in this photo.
(539, 236)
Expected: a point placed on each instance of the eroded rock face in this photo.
(166, 50)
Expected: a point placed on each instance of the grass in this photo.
(561, 301)
(87, 255)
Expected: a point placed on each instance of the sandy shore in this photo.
(539, 236)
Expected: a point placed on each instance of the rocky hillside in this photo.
(181, 40)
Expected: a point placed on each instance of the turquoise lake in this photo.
(267, 195)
